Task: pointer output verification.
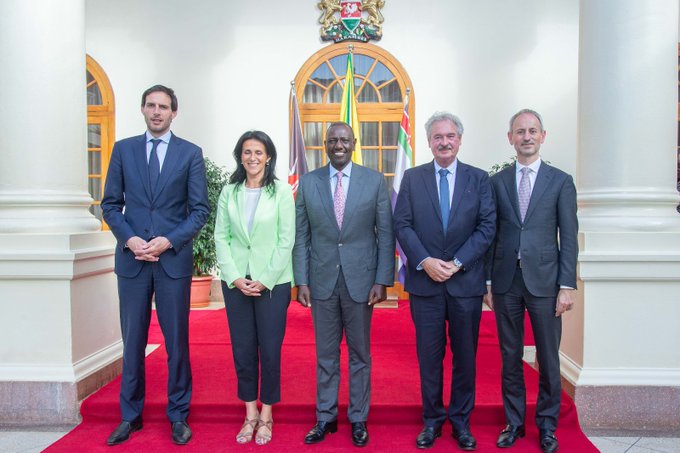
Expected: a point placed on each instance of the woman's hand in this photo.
(249, 287)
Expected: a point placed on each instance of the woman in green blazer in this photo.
(254, 235)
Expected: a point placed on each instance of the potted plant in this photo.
(495, 168)
(205, 257)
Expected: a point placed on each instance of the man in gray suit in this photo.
(343, 259)
(532, 267)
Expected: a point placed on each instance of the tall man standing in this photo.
(445, 221)
(343, 259)
(155, 202)
(533, 268)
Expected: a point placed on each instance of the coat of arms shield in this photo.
(359, 20)
(350, 14)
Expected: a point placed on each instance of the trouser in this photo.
(257, 326)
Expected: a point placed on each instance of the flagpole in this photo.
(348, 108)
(297, 162)
(404, 162)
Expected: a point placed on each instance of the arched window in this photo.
(380, 88)
(100, 131)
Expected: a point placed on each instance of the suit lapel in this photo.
(323, 186)
(142, 165)
(509, 181)
(353, 194)
(543, 178)
(429, 181)
(240, 197)
(265, 203)
(172, 156)
(462, 180)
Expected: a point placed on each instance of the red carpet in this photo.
(394, 421)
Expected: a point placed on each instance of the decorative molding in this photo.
(610, 377)
(18, 372)
(57, 256)
(100, 359)
(634, 266)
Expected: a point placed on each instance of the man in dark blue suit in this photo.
(445, 221)
(532, 268)
(155, 202)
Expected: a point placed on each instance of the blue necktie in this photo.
(444, 197)
(154, 165)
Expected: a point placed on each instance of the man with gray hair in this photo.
(445, 221)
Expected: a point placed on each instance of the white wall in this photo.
(231, 64)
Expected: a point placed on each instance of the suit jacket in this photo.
(470, 229)
(547, 238)
(177, 211)
(364, 247)
(266, 249)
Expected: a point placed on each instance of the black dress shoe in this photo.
(359, 434)
(509, 435)
(181, 433)
(548, 441)
(427, 436)
(465, 439)
(317, 434)
(123, 431)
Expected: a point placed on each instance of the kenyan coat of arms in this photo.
(359, 20)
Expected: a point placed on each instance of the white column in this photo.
(59, 331)
(43, 159)
(620, 345)
(627, 115)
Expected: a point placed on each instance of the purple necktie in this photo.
(339, 200)
(524, 191)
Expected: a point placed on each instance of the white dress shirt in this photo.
(162, 148)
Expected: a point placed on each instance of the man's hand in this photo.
(565, 301)
(377, 294)
(488, 297)
(304, 297)
(157, 245)
(439, 270)
(249, 287)
(140, 248)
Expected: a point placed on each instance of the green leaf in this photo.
(205, 257)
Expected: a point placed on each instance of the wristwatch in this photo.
(457, 263)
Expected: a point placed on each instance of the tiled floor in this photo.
(36, 441)
(27, 441)
(637, 444)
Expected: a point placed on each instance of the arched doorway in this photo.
(100, 131)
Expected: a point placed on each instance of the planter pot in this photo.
(200, 291)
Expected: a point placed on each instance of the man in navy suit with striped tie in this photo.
(155, 202)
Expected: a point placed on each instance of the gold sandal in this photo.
(260, 438)
(244, 436)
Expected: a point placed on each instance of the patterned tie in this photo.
(524, 191)
(154, 165)
(444, 196)
(339, 200)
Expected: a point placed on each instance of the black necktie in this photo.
(154, 165)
